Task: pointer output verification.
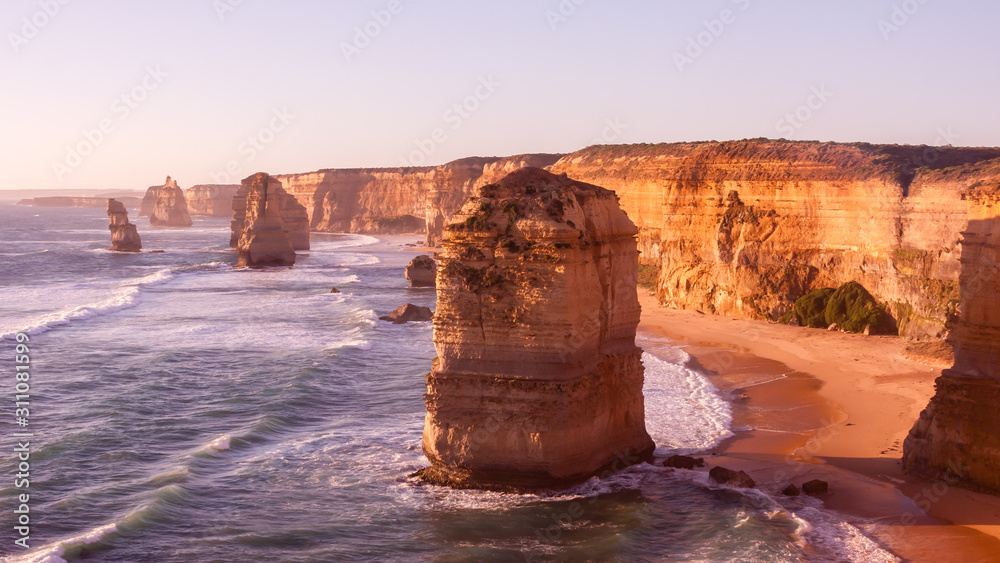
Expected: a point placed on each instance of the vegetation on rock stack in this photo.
(851, 307)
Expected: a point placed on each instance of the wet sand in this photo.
(814, 404)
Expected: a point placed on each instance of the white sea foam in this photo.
(53, 552)
(833, 539)
(123, 297)
(684, 411)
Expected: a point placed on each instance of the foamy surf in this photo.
(684, 411)
(54, 552)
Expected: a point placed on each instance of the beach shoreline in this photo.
(812, 404)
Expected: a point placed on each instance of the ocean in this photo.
(184, 410)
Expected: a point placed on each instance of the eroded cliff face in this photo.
(538, 380)
(215, 200)
(264, 241)
(124, 235)
(958, 435)
(170, 208)
(294, 217)
(745, 228)
(396, 200)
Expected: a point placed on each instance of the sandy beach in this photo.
(837, 407)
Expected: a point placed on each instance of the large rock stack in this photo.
(124, 235)
(538, 380)
(957, 437)
(170, 209)
(263, 239)
(293, 215)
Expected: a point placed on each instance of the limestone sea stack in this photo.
(264, 239)
(170, 209)
(421, 271)
(124, 235)
(538, 381)
(957, 437)
(293, 215)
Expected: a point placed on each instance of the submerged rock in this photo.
(124, 235)
(422, 271)
(170, 208)
(724, 476)
(684, 462)
(538, 380)
(816, 487)
(791, 491)
(409, 313)
(264, 240)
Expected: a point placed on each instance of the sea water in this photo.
(185, 410)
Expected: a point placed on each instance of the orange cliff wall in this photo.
(957, 437)
(745, 228)
(397, 200)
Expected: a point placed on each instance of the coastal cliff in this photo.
(745, 228)
(538, 381)
(264, 240)
(69, 201)
(957, 437)
(396, 200)
(169, 207)
(213, 200)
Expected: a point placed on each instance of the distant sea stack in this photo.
(214, 200)
(264, 240)
(538, 380)
(293, 214)
(124, 235)
(170, 208)
(957, 437)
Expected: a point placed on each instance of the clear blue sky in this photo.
(555, 83)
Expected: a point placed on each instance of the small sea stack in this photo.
(538, 381)
(264, 239)
(124, 235)
(422, 271)
(170, 208)
(294, 215)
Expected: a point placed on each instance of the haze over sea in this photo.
(184, 410)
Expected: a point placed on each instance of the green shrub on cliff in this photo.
(853, 309)
(648, 276)
(811, 309)
(850, 307)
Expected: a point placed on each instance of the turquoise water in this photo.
(187, 411)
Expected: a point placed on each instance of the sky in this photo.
(102, 94)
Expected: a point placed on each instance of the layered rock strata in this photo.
(538, 381)
(957, 437)
(397, 200)
(421, 271)
(213, 200)
(170, 208)
(294, 216)
(264, 240)
(745, 228)
(124, 235)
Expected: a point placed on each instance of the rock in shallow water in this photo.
(422, 271)
(724, 476)
(409, 313)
